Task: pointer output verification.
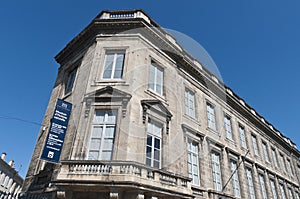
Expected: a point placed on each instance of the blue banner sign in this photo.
(57, 131)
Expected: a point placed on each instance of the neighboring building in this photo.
(149, 121)
(10, 181)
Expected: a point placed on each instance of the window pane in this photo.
(119, 66)
(70, 82)
(93, 155)
(108, 66)
(106, 155)
(97, 132)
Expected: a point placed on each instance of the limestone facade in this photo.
(150, 121)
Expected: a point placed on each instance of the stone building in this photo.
(150, 121)
(10, 181)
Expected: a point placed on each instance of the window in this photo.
(272, 183)
(250, 183)
(190, 103)
(193, 162)
(156, 78)
(242, 136)
(282, 162)
(291, 193)
(103, 134)
(235, 179)
(211, 120)
(274, 157)
(71, 80)
(113, 65)
(297, 195)
(216, 170)
(265, 150)
(153, 148)
(290, 167)
(255, 147)
(262, 186)
(227, 122)
(282, 191)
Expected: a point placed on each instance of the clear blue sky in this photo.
(255, 44)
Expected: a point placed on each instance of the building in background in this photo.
(151, 122)
(10, 181)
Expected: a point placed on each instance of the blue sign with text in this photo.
(57, 131)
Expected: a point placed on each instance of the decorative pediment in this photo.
(108, 95)
(156, 106)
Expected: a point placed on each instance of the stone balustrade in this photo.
(120, 170)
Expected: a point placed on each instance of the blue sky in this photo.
(255, 44)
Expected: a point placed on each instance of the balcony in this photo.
(122, 174)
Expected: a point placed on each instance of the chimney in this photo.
(3, 155)
(11, 163)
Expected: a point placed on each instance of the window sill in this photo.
(111, 82)
(190, 118)
(230, 140)
(214, 131)
(155, 95)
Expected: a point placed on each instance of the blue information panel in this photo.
(57, 131)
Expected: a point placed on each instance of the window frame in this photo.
(235, 178)
(190, 107)
(194, 154)
(69, 86)
(263, 186)
(216, 171)
(211, 116)
(115, 53)
(274, 157)
(265, 151)
(156, 68)
(228, 127)
(255, 145)
(242, 138)
(104, 125)
(273, 189)
(250, 183)
(282, 191)
(152, 146)
(282, 162)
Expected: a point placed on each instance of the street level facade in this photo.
(149, 121)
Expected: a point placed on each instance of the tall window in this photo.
(227, 123)
(235, 179)
(250, 183)
(71, 80)
(265, 150)
(156, 78)
(297, 195)
(255, 147)
(262, 186)
(242, 136)
(193, 162)
(272, 183)
(282, 191)
(102, 136)
(190, 103)
(216, 170)
(211, 118)
(282, 162)
(290, 167)
(113, 66)
(153, 148)
(290, 193)
(274, 157)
